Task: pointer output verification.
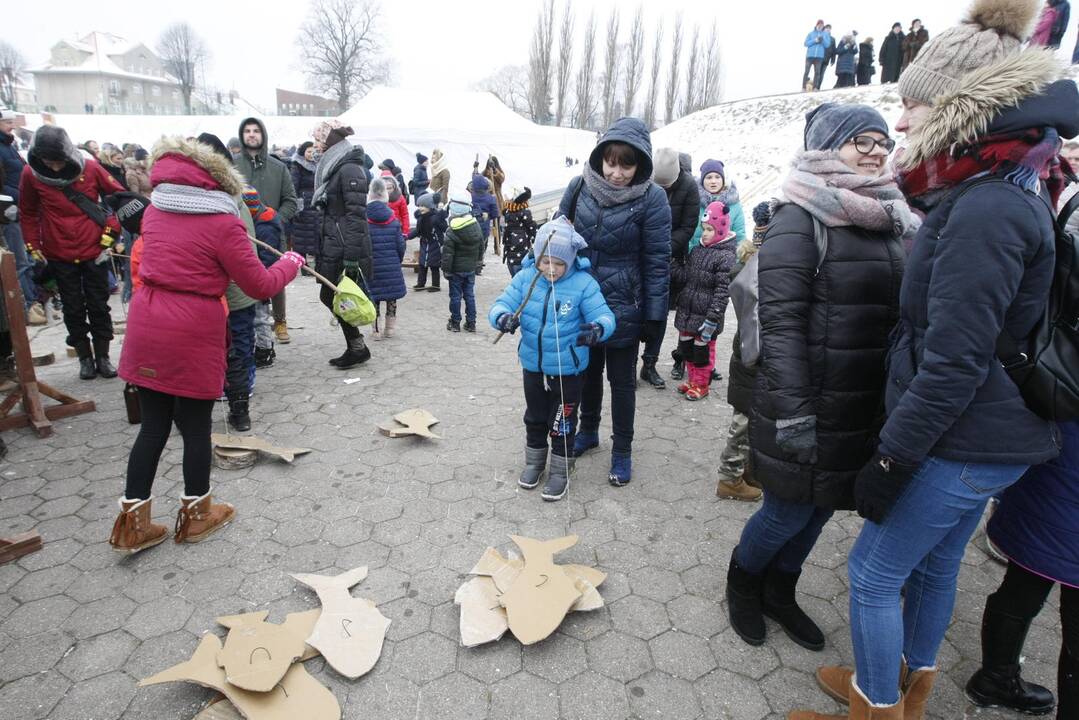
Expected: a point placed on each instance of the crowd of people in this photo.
(886, 307)
(854, 59)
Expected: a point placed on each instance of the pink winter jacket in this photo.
(176, 339)
(1043, 30)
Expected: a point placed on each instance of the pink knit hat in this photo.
(719, 217)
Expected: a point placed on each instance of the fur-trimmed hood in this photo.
(962, 116)
(220, 171)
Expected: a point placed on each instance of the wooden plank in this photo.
(16, 546)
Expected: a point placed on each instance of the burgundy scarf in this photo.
(1026, 158)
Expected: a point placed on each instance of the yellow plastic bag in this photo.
(351, 305)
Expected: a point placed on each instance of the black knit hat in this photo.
(215, 142)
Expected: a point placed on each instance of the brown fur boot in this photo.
(916, 686)
(133, 530)
(860, 709)
(199, 517)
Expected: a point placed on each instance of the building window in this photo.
(155, 91)
(114, 86)
(137, 88)
(175, 94)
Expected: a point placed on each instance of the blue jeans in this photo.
(514, 268)
(781, 531)
(463, 285)
(241, 354)
(920, 545)
(23, 267)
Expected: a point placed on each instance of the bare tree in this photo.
(340, 44)
(540, 64)
(673, 79)
(693, 71)
(564, 75)
(509, 84)
(710, 91)
(634, 61)
(652, 100)
(611, 69)
(586, 80)
(183, 53)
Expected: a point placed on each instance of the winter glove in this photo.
(797, 437)
(590, 335)
(508, 323)
(36, 256)
(708, 330)
(295, 258)
(652, 330)
(878, 486)
(352, 270)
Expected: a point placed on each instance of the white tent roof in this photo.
(446, 110)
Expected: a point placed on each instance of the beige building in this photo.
(103, 73)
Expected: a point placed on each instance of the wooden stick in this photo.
(277, 252)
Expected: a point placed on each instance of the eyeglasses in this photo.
(866, 144)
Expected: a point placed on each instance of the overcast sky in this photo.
(455, 43)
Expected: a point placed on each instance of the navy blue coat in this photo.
(420, 181)
(483, 203)
(1037, 523)
(430, 228)
(846, 57)
(980, 263)
(305, 224)
(629, 245)
(12, 163)
(387, 281)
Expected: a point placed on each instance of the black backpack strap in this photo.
(1067, 211)
(92, 210)
(572, 214)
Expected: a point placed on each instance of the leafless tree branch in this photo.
(693, 72)
(634, 61)
(341, 48)
(586, 79)
(509, 84)
(673, 79)
(183, 54)
(540, 64)
(564, 75)
(653, 86)
(611, 68)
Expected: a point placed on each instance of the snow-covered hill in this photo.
(756, 139)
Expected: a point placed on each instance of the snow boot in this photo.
(915, 687)
(860, 709)
(390, 328)
(737, 489)
(87, 366)
(744, 603)
(584, 442)
(357, 354)
(453, 325)
(199, 517)
(779, 603)
(557, 479)
(101, 362)
(621, 470)
(239, 414)
(998, 683)
(264, 357)
(650, 376)
(535, 464)
(470, 326)
(133, 530)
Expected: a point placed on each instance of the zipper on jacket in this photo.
(543, 323)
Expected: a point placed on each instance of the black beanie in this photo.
(215, 142)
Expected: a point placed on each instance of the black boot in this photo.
(336, 362)
(535, 464)
(264, 357)
(436, 281)
(421, 281)
(101, 355)
(998, 683)
(678, 372)
(650, 376)
(453, 325)
(557, 478)
(87, 366)
(716, 376)
(470, 326)
(239, 415)
(357, 354)
(744, 603)
(778, 602)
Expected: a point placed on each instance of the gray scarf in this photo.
(304, 163)
(189, 200)
(608, 195)
(328, 164)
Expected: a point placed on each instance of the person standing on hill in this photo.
(891, 55)
(846, 62)
(914, 42)
(271, 178)
(816, 44)
(866, 69)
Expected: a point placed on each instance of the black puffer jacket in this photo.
(518, 233)
(823, 343)
(704, 283)
(740, 379)
(305, 224)
(343, 236)
(685, 213)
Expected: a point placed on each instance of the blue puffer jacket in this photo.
(980, 263)
(271, 232)
(420, 181)
(1037, 523)
(387, 251)
(483, 203)
(817, 41)
(629, 245)
(551, 321)
(12, 163)
(846, 58)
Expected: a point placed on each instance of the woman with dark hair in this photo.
(305, 224)
(626, 220)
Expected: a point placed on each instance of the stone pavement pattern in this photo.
(79, 626)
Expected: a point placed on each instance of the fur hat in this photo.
(718, 216)
(665, 167)
(460, 205)
(379, 191)
(991, 30)
(559, 240)
(831, 125)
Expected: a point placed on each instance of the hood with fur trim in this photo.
(221, 172)
(960, 117)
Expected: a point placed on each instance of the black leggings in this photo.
(1022, 595)
(159, 411)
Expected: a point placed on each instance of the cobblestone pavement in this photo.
(79, 626)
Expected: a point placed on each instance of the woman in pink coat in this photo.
(175, 347)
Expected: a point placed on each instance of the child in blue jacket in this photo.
(561, 312)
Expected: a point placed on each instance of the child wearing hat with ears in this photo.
(713, 186)
(561, 312)
(704, 282)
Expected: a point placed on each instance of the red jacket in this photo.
(54, 225)
(400, 209)
(176, 326)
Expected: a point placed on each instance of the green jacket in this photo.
(234, 296)
(463, 250)
(268, 175)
